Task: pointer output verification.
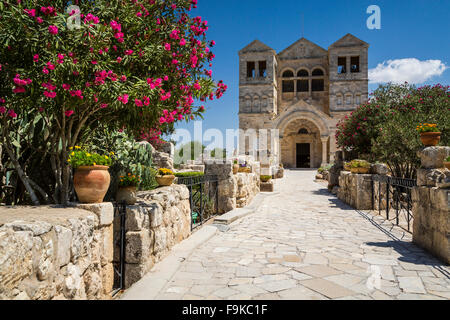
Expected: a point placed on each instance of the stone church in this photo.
(303, 92)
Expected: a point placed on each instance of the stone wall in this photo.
(56, 253)
(160, 219)
(356, 190)
(431, 203)
(235, 191)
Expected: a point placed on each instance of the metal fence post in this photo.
(387, 198)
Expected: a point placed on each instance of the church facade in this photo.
(303, 92)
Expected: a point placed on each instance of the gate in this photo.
(203, 198)
(120, 214)
(398, 197)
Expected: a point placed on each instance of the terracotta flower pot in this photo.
(165, 181)
(447, 164)
(91, 183)
(360, 170)
(127, 194)
(430, 139)
(235, 168)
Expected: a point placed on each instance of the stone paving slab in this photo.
(303, 243)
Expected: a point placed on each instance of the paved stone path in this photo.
(303, 243)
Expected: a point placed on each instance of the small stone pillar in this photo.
(324, 151)
(431, 203)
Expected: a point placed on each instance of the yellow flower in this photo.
(72, 154)
(88, 154)
(77, 147)
(95, 164)
(71, 148)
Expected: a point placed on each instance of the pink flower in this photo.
(12, 114)
(36, 58)
(129, 52)
(2, 110)
(39, 20)
(138, 103)
(68, 113)
(123, 78)
(175, 61)
(50, 95)
(167, 46)
(119, 59)
(123, 99)
(66, 86)
(53, 30)
(182, 42)
(103, 106)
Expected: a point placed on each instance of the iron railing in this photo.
(397, 194)
(203, 198)
(120, 214)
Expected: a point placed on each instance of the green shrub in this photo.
(188, 174)
(265, 178)
(360, 164)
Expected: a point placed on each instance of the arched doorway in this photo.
(301, 145)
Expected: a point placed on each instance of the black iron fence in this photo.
(394, 196)
(119, 224)
(203, 197)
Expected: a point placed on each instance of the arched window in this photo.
(318, 84)
(288, 85)
(349, 99)
(288, 74)
(317, 72)
(303, 131)
(303, 73)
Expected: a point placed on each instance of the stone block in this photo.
(155, 212)
(63, 245)
(107, 248)
(16, 258)
(103, 211)
(267, 186)
(136, 218)
(433, 157)
(139, 246)
(431, 177)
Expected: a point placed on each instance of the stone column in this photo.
(431, 203)
(324, 151)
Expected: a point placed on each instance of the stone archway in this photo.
(301, 144)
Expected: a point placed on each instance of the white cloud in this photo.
(409, 70)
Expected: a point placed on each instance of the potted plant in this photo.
(347, 166)
(429, 134)
(243, 168)
(91, 179)
(127, 189)
(265, 178)
(165, 177)
(235, 166)
(447, 163)
(360, 166)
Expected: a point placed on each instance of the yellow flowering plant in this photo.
(79, 158)
(427, 127)
(165, 172)
(129, 180)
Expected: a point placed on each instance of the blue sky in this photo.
(409, 29)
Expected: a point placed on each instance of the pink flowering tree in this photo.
(135, 65)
